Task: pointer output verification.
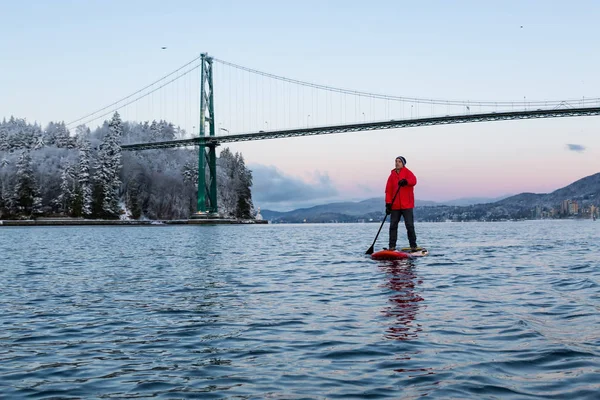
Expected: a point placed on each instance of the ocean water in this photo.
(497, 310)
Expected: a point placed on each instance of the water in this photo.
(498, 310)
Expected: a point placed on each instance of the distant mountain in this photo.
(585, 191)
(467, 201)
(365, 209)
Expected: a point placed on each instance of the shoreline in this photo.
(107, 222)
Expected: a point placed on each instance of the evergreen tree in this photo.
(227, 196)
(23, 135)
(49, 134)
(133, 202)
(84, 178)
(26, 198)
(4, 145)
(243, 182)
(82, 133)
(2, 203)
(154, 131)
(190, 172)
(109, 168)
(65, 198)
(166, 130)
(234, 181)
(62, 137)
(97, 196)
(5, 199)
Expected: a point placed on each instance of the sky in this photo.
(63, 59)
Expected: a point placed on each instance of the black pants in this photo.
(409, 222)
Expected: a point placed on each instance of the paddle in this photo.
(371, 249)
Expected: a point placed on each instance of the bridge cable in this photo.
(399, 98)
(133, 94)
(141, 97)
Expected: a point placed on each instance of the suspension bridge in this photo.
(212, 101)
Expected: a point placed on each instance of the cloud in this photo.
(575, 147)
(272, 189)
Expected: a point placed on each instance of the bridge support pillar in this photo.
(207, 156)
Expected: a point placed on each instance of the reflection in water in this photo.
(404, 302)
(402, 311)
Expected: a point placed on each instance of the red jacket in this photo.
(406, 196)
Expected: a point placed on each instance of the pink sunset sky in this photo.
(450, 162)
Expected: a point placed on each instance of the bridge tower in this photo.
(207, 157)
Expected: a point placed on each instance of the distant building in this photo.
(569, 207)
(573, 208)
(565, 207)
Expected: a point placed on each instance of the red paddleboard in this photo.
(390, 255)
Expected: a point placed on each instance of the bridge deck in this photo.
(369, 126)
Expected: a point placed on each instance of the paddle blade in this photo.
(370, 250)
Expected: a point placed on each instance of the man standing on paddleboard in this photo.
(400, 201)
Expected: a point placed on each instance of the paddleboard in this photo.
(399, 255)
(420, 252)
(390, 255)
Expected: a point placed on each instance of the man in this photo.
(401, 184)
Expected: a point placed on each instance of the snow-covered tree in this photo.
(109, 167)
(234, 182)
(154, 131)
(3, 201)
(84, 179)
(26, 198)
(66, 196)
(226, 193)
(63, 137)
(57, 134)
(4, 144)
(82, 132)
(2, 205)
(23, 135)
(5, 188)
(158, 184)
(190, 172)
(49, 134)
(243, 183)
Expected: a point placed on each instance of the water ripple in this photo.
(498, 310)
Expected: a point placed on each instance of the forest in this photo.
(52, 172)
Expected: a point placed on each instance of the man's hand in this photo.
(388, 208)
(403, 182)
